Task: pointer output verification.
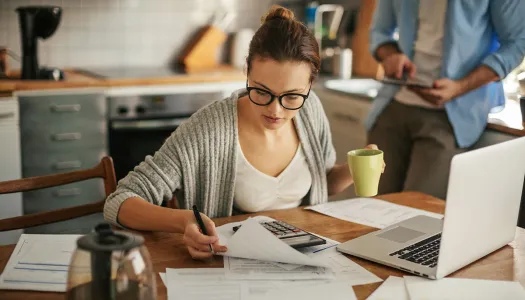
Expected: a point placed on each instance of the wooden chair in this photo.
(103, 170)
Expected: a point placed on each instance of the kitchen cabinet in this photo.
(346, 115)
(63, 132)
(10, 166)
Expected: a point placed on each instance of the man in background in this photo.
(461, 49)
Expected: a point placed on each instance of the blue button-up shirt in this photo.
(489, 32)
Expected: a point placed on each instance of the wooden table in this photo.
(167, 250)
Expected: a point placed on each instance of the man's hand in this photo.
(396, 64)
(443, 91)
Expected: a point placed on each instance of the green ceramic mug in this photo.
(365, 166)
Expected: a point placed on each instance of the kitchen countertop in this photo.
(507, 121)
(76, 79)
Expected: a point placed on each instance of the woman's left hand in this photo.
(374, 147)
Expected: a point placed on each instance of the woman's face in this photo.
(278, 78)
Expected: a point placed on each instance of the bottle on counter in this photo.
(4, 68)
(310, 15)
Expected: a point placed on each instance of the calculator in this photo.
(291, 235)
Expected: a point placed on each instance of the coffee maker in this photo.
(37, 22)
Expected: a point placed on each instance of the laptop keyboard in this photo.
(424, 252)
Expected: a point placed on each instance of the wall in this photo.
(96, 33)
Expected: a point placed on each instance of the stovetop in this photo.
(132, 72)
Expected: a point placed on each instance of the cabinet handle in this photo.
(68, 192)
(70, 136)
(7, 115)
(66, 107)
(73, 164)
(350, 118)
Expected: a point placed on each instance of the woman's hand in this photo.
(374, 147)
(198, 243)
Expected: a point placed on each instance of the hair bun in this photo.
(278, 12)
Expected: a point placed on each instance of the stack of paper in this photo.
(40, 263)
(258, 265)
(411, 287)
(370, 212)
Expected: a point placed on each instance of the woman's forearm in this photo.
(139, 214)
(339, 179)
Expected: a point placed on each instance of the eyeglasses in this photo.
(290, 101)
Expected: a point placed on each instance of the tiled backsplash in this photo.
(95, 33)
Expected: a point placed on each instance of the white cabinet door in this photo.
(10, 168)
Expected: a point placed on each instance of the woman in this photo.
(266, 147)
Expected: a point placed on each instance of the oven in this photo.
(139, 124)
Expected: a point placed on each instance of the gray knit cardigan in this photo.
(198, 161)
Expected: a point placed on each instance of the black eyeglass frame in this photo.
(280, 97)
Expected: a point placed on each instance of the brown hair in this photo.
(283, 38)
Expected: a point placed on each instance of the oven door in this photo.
(130, 141)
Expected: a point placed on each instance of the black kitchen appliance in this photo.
(37, 22)
(141, 123)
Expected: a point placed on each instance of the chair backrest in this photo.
(104, 170)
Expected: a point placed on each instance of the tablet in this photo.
(389, 80)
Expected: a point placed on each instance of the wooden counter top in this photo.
(507, 129)
(509, 120)
(75, 79)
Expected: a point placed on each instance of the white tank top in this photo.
(256, 191)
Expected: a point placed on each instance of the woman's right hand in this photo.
(198, 243)
(396, 64)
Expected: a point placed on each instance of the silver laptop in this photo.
(482, 206)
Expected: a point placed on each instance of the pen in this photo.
(201, 224)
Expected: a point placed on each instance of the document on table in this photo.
(162, 276)
(392, 289)
(212, 284)
(342, 268)
(332, 291)
(370, 212)
(463, 289)
(345, 269)
(251, 269)
(253, 241)
(201, 284)
(39, 262)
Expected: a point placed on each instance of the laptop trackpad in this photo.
(400, 234)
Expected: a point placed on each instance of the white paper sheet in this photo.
(332, 291)
(212, 284)
(163, 277)
(251, 269)
(253, 241)
(370, 212)
(343, 268)
(201, 284)
(39, 262)
(463, 289)
(392, 289)
(226, 232)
